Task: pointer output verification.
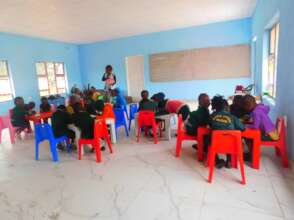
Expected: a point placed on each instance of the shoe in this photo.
(194, 146)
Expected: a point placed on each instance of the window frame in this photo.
(7, 77)
(272, 59)
(46, 76)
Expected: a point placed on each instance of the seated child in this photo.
(146, 103)
(221, 119)
(260, 119)
(45, 106)
(30, 108)
(19, 115)
(60, 121)
(159, 98)
(94, 107)
(83, 121)
(120, 100)
(236, 108)
(200, 117)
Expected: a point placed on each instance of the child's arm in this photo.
(238, 124)
(256, 122)
(104, 78)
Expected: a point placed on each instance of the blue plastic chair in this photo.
(126, 111)
(133, 110)
(44, 132)
(120, 120)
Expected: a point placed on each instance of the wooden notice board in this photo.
(201, 64)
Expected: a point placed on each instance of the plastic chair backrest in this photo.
(1, 123)
(6, 121)
(10, 111)
(43, 132)
(226, 141)
(108, 111)
(146, 118)
(100, 129)
(119, 116)
(133, 110)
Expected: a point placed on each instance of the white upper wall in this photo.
(84, 21)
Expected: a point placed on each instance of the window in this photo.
(271, 78)
(5, 84)
(51, 78)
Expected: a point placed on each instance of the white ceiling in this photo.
(83, 21)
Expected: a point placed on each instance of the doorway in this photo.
(135, 75)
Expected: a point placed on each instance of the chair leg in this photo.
(80, 151)
(98, 151)
(138, 134)
(200, 146)
(178, 146)
(130, 123)
(109, 144)
(37, 151)
(126, 129)
(256, 154)
(242, 167)
(211, 163)
(54, 151)
(283, 153)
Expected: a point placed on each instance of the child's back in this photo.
(83, 121)
(60, 121)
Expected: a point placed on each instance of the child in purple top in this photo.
(260, 119)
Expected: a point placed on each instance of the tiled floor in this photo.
(138, 182)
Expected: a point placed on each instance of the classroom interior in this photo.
(181, 48)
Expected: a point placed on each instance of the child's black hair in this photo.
(218, 103)
(144, 91)
(108, 67)
(201, 96)
(17, 98)
(61, 107)
(44, 98)
(31, 105)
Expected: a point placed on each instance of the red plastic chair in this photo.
(183, 136)
(100, 131)
(226, 142)
(6, 123)
(280, 145)
(147, 119)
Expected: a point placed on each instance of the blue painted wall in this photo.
(283, 104)
(23, 52)
(94, 57)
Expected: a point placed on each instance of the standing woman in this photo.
(110, 80)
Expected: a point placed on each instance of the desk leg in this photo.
(112, 132)
(167, 134)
